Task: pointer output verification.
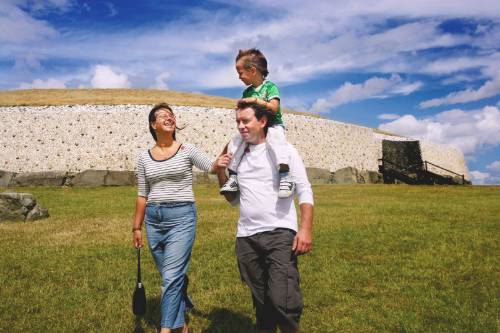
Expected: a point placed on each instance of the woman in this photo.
(165, 202)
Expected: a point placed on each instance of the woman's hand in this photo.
(137, 238)
(222, 162)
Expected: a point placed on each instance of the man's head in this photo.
(253, 121)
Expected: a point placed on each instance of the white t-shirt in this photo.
(260, 208)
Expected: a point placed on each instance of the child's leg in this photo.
(276, 143)
(236, 147)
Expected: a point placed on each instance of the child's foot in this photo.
(287, 186)
(230, 186)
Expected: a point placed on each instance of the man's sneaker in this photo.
(287, 186)
(230, 186)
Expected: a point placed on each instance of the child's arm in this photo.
(273, 105)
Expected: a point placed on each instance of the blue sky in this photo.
(426, 69)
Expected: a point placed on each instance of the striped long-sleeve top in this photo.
(170, 180)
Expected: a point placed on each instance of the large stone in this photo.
(348, 175)
(319, 176)
(46, 178)
(90, 178)
(20, 207)
(6, 177)
(370, 177)
(117, 178)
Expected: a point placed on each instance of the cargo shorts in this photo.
(269, 267)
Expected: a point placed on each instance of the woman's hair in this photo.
(152, 118)
(253, 58)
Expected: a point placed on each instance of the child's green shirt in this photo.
(266, 91)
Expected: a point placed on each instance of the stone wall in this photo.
(99, 137)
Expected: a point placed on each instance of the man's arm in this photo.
(303, 239)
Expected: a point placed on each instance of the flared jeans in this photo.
(171, 229)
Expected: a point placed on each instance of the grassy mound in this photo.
(41, 97)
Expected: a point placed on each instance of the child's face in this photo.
(247, 75)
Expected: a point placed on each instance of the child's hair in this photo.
(253, 57)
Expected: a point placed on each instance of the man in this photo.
(268, 240)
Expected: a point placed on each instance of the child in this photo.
(251, 66)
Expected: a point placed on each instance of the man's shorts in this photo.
(269, 267)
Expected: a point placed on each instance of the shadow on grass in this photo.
(221, 320)
(224, 320)
(151, 318)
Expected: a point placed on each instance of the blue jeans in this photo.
(171, 231)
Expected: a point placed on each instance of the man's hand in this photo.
(302, 242)
(303, 239)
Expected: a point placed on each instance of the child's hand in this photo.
(248, 100)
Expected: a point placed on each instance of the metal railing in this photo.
(426, 168)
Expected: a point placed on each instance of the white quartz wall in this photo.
(101, 137)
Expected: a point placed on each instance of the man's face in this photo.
(251, 129)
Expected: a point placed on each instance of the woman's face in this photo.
(165, 121)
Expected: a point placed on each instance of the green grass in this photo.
(385, 259)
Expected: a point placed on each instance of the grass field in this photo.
(385, 259)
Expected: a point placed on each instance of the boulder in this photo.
(370, 177)
(20, 207)
(350, 175)
(45, 178)
(117, 178)
(347, 175)
(319, 176)
(90, 178)
(6, 177)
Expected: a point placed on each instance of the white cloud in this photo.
(161, 81)
(18, 27)
(304, 41)
(494, 166)
(479, 178)
(388, 116)
(467, 130)
(105, 77)
(50, 83)
(112, 9)
(375, 87)
(489, 89)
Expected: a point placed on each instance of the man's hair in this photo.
(152, 117)
(253, 58)
(260, 112)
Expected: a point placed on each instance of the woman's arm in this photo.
(201, 160)
(140, 209)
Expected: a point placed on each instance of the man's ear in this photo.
(263, 121)
(153, 125)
